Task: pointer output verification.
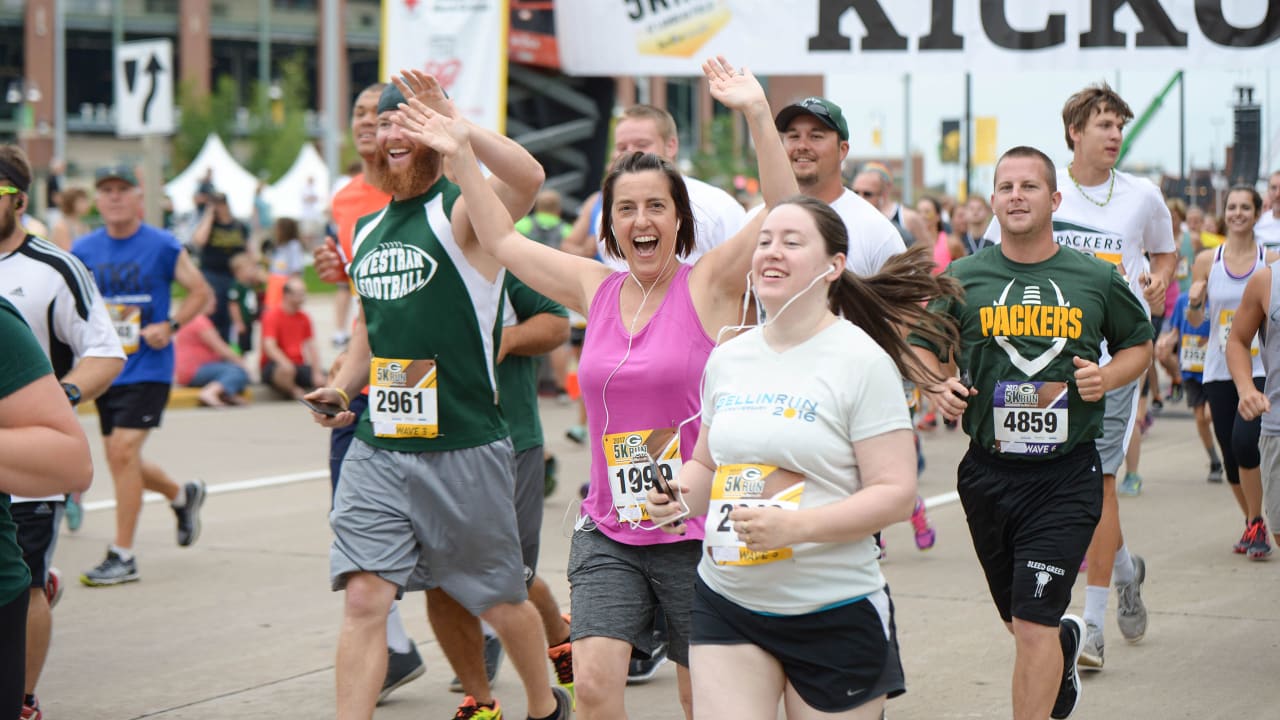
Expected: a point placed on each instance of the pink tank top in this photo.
(656, 387)
(941, 254)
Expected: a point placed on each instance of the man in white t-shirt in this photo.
(1267, 230)
(816, 137)
(1116, 217)
(717, 215)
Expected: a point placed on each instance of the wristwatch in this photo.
(73, 393)
(174, 325)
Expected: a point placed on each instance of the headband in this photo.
(10, 173)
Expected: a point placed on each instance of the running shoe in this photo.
(1242, 545)
(925, 535)
(549, 468)
(1157, 406)
(75, 512)
(1070, 633)
(1175, 392)
(492, 661)
(1093, 649)
(577, 433)
(1260, 547)
(53, 587)
(114, 570)
(1131, 613)
(928, 422)
(1215, 472)
(564, 703)
(402, 669)
(644, 667)
(1131, 486)
(471, 710)
(30, 709)
(562, 660)
(189, 514)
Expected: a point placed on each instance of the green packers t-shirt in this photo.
(424, 303)
(518, 374)
(21, 363)
(1020, 326)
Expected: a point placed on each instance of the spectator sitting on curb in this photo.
(289, 360)
(204, 360)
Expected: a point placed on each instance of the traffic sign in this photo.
(144, 88)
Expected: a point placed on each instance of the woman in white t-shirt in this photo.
(805, 451)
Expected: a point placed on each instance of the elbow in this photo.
(78, 474)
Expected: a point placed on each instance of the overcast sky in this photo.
(1028, 107)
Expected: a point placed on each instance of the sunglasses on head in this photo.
(817, 108)
(864, 193)
(8, 190)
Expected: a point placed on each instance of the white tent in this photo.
(228, 177)
(285, 196)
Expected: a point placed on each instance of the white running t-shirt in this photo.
(1267, 232)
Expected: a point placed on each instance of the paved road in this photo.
(243, 624)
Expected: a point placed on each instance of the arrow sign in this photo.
(141, 107)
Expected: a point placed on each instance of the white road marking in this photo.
(237, 486)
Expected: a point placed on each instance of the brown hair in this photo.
(1085, 104)
(1026, 151)
(647, 162)
(661, 119)
(1253, 194)
(286, 230)
(893, 298)
(68, 198)
(16, 159)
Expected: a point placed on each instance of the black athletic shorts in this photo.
(139, 406)
(38, 523)
(302, 377)
(1031, 522)
(836, 659)
(1193, 390)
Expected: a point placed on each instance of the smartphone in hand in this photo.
(324, 408)
(663, 486)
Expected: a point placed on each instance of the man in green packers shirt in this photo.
(425, 501)
(1033, 318)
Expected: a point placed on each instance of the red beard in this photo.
(417, 178)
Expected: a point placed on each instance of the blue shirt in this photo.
(138, 272)
(1179, 320)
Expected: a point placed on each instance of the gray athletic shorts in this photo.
(614, 590)
(530, 474)
(1117, 427)
(430, 520)
(1270, 447)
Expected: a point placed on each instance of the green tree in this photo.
(725, 157)
(201, 116)
(276, 138)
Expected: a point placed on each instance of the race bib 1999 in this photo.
(629, 482)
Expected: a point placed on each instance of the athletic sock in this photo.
(181, 499)
(1213, 455)
(124, 553)
(1095, 605)
(488, 630)
(397, 639)
(1122, 571)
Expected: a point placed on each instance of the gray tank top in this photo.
(1271, 355)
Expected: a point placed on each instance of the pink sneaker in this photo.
(925, 536)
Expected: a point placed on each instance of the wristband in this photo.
(346, 401)
(174, 325)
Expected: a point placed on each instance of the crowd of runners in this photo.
(755, 388)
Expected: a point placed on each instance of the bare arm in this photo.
(1197, 295)
(948, 395)
(351, 377)
(210, 337)
(93, 375)
(580, 241)
(1248, 320)
(159, 334)
(694, 485)
(538, 335)
(1163, 266)
(43, 449)
(204, 228)
(914, 224)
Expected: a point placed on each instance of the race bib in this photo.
(747, 485)
(127, 320)
(1225, 318)
(1191, 358)
(402, 398)
(1030, 416)
(630, 478)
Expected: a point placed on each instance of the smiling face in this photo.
(814, 149)
(645, 222)
(1098, 141)
(364, 123)
(790, 253)
(1023, 201)
(401, 166)
(1241, 212)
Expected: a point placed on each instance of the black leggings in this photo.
(1237, 437)
(13, 654)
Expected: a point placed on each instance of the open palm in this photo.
(437, 131)
(735, 89)
(425, 87)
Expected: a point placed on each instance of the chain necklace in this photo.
(1110, 188)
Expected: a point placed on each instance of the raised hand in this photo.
(437, 131)
(420, 85)
(735, 89)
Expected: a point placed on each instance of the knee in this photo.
(368, 598)
(120, 449)
(594, 688)
(1035, 638)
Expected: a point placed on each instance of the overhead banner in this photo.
(463, 43)
(814, 37)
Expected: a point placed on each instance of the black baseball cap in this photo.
(115, 172)
(827, 112)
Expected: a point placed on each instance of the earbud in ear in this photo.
(677, 224)
(831, 267)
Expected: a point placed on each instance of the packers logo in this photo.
(1099, 243)
(1031, 319)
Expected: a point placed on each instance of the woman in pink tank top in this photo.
(649, 333)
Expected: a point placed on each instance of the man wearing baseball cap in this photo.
(135, 266)
(816, 137)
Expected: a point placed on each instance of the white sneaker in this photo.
(1091, 654)
(1131, 613)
